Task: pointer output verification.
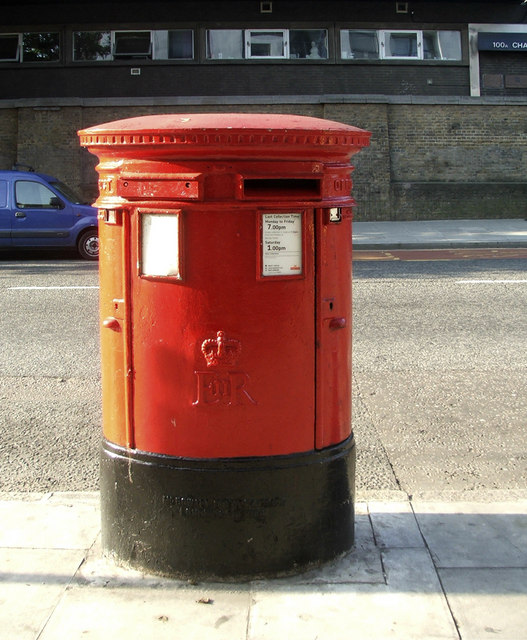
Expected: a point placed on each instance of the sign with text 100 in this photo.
(502, 41)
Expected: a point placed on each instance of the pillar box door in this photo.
(226, 341)
(224, 356)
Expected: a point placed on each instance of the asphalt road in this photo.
(439, 375)
(50, 412)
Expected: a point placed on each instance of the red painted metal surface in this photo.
(333, 354)
(225, 282)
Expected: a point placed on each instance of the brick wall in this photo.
(457, 161)
(47, 141)
(8, 137)
(228, 79)
(425, 161)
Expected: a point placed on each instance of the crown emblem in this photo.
(221, 351)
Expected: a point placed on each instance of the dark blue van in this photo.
(38, 211)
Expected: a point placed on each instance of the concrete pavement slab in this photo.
(420, 569)
(487, 603)
(32, 582)
(49, 524)
(411, 605)
(162, 610)
(475, 535)
(440, 233)
(394, 525)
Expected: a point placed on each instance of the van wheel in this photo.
(88, 245)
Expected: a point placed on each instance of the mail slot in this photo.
(225, 300)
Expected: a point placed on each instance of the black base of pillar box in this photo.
(226, 519)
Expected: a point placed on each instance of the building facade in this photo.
(442, 85)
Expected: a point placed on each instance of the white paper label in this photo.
(160, 245)
(282, 244)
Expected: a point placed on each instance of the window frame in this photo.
(211, 53)
(437, 38)
(22, 56)
(134, 57)
(385, 34)
(107, 58)
(131, 55)
(420, 45)
(325, 30)
(331, 43)
(37, 186)
(18, 47)
(248, 43)
(351, 56)
(193, 44)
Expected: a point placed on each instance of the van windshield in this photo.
(67, 192)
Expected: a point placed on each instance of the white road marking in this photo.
(491, 281)
(48, 288)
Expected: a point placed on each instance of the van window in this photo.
(33, 194)
(67, 192)
(3, 194)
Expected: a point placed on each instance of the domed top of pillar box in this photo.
(226, 135)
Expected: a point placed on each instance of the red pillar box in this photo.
(225, 268)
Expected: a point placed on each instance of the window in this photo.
(442, 45)
(267, 44)
(180, 44)
(92, 45)
(177, 44)
(68, 192)
(9, 47)
(225, 44)
(173, 45)
(235, 44)
(261, 43)
(3, 194)
(30, 47)
(309, 44)
(34, 195)
(40, 47)
(132, 45)
(401, 44)
(370, 44)
(361, 45)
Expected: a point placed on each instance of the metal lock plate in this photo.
(335, 214)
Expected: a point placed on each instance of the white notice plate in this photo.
(281, 244)
(160, 245)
